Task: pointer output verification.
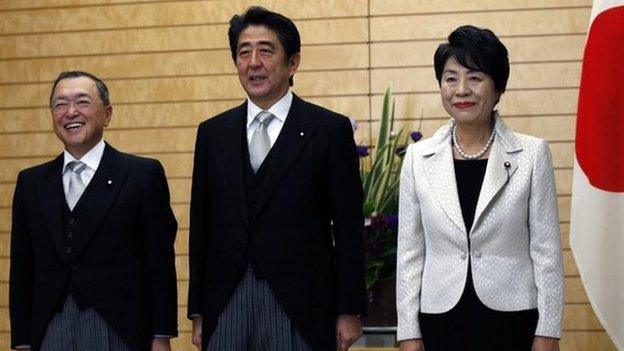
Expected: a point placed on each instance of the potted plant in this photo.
(380, 179)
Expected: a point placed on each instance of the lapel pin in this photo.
(301, 134)
(109, 183)
(507, 164)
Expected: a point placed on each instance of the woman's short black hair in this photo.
(283, 27)
(477, 49)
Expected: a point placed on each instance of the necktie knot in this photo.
(264, 118)
(76, 166)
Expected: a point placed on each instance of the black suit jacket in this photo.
(122, 260)
(315, 269)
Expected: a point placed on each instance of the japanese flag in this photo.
(597, 217)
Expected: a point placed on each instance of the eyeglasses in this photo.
(62, 106)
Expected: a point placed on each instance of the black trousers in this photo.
(472, 326)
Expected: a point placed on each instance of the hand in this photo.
(411, 345)
(161, 344)
(542, 343)
(348, 330)
(197, 332)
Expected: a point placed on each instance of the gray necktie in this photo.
(76, 185)
(260, 142)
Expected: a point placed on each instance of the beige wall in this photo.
(168, 68)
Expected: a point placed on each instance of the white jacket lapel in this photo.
(502, 164)
(440, 174)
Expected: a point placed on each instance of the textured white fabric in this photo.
(515, 241)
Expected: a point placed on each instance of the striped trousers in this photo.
(253, 320)
(76, 330)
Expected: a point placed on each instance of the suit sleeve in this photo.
(410, 254)
(159, 229)
(346, 196)
(545, 244)
(21, 271)
(198, 227)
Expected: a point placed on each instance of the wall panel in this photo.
(523, 76)
(168, 67)
(184, 63)
(178, 13)
(564, 47)
(504, 24)
(192, 37)
(393, 7)
(175, 89)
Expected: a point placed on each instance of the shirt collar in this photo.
(279, 109)
(91, 159)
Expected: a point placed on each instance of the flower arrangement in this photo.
(380, 180)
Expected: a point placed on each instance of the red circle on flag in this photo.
(600, 116)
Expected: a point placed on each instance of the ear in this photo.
(293, 63)
(108, 111)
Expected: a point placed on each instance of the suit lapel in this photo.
(98, 197)
(440, 173)
(50, 189)
(502, 164)
(295, 134)
(233, 154)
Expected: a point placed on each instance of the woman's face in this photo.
(468, 96)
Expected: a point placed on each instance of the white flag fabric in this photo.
(597, 212)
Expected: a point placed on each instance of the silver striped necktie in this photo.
(260, 141)
(76, 185)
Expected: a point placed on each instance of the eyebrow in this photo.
(262, 42)
(455, 72)
(64, 97)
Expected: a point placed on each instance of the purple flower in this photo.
(362, 150)
(393, 221)
(379, 222)
(417, 135)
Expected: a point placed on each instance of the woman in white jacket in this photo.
(479, 263)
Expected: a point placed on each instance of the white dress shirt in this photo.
(91, 159)
(279, 110)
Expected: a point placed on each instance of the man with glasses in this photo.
(92, 259)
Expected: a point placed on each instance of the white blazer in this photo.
(515, 244)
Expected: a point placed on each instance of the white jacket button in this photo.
(463, 256)
(477, 254)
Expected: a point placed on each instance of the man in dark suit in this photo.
(276, 236)
(92, 260)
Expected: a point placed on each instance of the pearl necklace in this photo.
(471, 156)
